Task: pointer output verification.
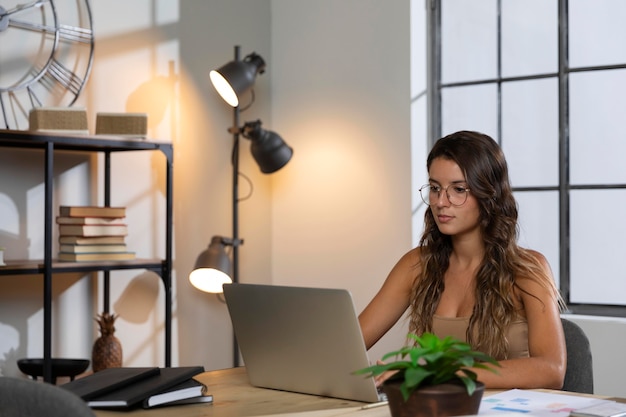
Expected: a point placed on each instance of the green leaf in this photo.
(414, 376)
(470, 384)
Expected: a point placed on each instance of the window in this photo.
(546, 79)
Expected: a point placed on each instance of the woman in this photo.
(468, 278)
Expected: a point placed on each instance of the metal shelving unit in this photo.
(50, 143)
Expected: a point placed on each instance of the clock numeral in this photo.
(66, 33)
(34, 100)
(75, 34)
(57, 73)
(5, 114)
(14, 109)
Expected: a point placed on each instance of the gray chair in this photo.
(27, 398)
(579, 374)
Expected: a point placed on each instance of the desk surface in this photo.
(234, 396)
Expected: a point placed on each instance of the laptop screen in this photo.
(300, 339)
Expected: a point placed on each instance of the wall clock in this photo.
(46, 52)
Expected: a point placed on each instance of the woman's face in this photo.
(452, 219)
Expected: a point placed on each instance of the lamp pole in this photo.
(235, 203)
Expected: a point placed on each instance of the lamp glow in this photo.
(212, 268)
(223, 88)
(209, 279)
(237, 77)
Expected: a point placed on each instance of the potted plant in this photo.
(433, 377)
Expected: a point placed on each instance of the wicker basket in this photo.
(58, 119)
(124, 124)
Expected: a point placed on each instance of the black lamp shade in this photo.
(269, 150)
(213, 267)
(237, 77)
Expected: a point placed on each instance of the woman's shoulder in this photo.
(536, 271)
(412, 257)
(535, 257)
(409, 264)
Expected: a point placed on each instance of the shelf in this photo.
(50, 143)
(23, 267)
(87, 143)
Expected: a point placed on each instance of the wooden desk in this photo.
(234, 396)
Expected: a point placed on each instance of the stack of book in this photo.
(89, 233)
(129, 388)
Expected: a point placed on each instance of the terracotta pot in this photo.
(443, 400)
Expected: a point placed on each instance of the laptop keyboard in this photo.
(381, 395)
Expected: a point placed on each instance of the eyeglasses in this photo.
(457, 194)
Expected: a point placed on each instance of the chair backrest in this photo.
(579, 374)
(24, 397)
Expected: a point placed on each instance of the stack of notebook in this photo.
(127, 388)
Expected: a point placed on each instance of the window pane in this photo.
(530, 131)
(597, 247)
(468, 40)
(539, 225)
(470, 108)
(596, 32)
(597, 145)
(529, 37)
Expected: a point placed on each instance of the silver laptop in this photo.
(299, 339)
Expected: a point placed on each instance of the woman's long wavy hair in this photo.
(486, 173)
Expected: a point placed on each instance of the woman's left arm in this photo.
(546, 364)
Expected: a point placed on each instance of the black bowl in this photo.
(60, 367)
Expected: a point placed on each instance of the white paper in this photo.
(534, 403)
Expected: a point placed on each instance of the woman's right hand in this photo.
(379, 379)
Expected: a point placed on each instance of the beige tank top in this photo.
(457, 328)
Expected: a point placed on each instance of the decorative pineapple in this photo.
(107, 349)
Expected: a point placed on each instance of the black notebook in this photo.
(107, 380)
(202, 399)
(185, 390)
(134, 394)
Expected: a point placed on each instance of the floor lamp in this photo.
(213, 267)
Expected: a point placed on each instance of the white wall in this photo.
(340, 95)
(338, 215)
